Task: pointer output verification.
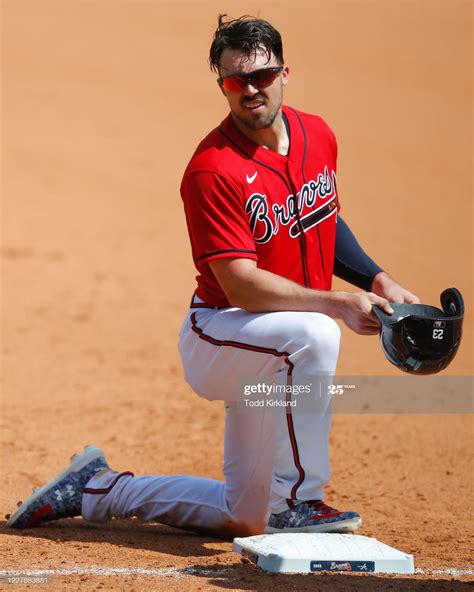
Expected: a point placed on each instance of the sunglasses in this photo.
(258, 79)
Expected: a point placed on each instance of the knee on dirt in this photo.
(241, 528)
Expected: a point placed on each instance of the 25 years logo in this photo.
(338, 389)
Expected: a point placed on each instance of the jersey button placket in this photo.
(292, 174)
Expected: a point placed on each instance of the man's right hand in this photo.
(355, 309)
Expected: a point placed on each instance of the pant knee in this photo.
(318, 342)
(325, 334)
(247, 517)
(243, 526)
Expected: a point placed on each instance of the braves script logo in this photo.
(265, 221)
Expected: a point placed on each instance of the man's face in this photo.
(256, 108)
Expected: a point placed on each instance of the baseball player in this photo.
(262, 208)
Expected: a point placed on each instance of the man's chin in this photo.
(257, 122)
(257, 125)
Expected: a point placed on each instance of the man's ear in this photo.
(285, 75)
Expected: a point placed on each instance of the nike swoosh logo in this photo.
(251, 179)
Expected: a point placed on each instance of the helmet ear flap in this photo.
(452, 302)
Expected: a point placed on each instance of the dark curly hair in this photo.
(247, 34)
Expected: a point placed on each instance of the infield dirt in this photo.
(103, 104)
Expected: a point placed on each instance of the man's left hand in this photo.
(383, 285)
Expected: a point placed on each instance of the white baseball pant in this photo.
(271, 454)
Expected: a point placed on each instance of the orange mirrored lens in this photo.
(234, 83)
(258, 79)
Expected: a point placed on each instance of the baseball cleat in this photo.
(62, 496)
(313, 516)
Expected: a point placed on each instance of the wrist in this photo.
(330, 303)
(380, 281)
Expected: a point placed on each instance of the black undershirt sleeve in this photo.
(351, 262)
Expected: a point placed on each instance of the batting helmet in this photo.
(422, 339)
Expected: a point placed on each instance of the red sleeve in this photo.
(217, 223)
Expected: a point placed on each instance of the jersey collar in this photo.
(253, 150)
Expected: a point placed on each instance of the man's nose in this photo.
(249, 90)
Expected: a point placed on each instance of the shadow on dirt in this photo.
(242, 575)
(248, 577)
(122, 533)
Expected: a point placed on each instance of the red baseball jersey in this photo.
(242, 200)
